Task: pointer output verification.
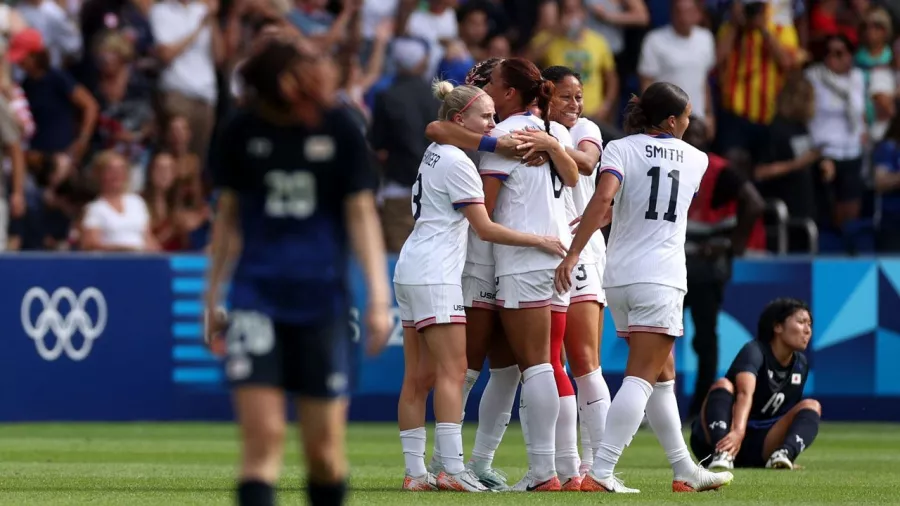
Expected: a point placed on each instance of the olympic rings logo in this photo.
(63, 327)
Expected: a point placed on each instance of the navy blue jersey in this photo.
(778, 387)
(292, 182)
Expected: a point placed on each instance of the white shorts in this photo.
(530, 290)
(479, 293)
(424, 305)
(587, 285)
(647, 307)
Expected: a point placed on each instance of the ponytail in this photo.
(546, 89)
(636, 121)
(659, 102)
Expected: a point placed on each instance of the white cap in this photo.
(408, 53)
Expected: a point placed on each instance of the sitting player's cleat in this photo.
(572, 484)
(531, 484)
(702, 481)
(493, 479)
(424, 483)
(722, 461)
(435, 467)
(613, 484)
(780, 460)
(463, 481)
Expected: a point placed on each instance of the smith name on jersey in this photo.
(292, 183)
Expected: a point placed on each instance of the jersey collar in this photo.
(661, 136)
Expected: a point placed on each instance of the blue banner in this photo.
(117, 337)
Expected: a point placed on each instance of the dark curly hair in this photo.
(775, 313)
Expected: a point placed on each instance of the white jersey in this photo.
(659, 177)
(586, 130)
(479, 253)
(435, 251)
(531, 200)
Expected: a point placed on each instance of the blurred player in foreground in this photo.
(653, 175)
(755, 416)
(446, 198)
(295, 185)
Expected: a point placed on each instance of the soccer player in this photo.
(295, 187)
(447, 198)
(646, 281)
(584, 319)
(531, 199)
(756, 415)
(484, 333)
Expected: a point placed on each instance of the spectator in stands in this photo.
(355, 80)
(831, 17)
(117, 220)
(610, 18)
(474, 29)
(573, 44)
(839, 127)
(437, 24)
(753, 55)
(60, 35)
(162, 202)
(682, 53)
(789, 168)
(131, 19)
(498, 46)
(397, 135)
(875, 59)
(723, 221)
(12, 208)
(886, 160)
(373, 13)
(65, 113)
(123, 94)
(193, 209)
(11, 21)
(189, 46)
(315, 22)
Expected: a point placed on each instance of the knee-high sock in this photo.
(557, 335)
(593, 405)
(625, 414)
(801, 433)
(567, 438)
(541, 400)
(662, 413)
(494, 412)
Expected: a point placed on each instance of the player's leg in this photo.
(566, 459)
(317, 370)
(495, 407)
(715, 423)
(792, 434)
(527, 320)
(447, 345)
(256, 376)
(418, 379)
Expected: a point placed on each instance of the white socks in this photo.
(541, 399)
(587, 450)
(625, 414)
(448, 437)
(567, 461)
(413, 442)
(494, 412)
(662, 413)
(471, 378)
(593, 405)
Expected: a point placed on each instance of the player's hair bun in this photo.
(441, 89)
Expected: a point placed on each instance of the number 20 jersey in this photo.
(659, 177)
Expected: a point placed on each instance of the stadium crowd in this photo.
(108, 107)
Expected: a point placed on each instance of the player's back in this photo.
(435, 251)
(659, 177)
(532, 200)
(293, 181)
(778, 387)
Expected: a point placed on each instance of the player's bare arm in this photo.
(367, 242)
(586, 156)
(448, 132)
(536, 141)
(489, 231)
(224, 248)
(594, 215)
(743, 401)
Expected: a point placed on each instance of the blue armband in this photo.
(488, 144)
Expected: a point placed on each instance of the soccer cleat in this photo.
(722, 461)
(436, 467)
(613, 484)
(572, 484)
(493, 479)
(424, 483)
(780, 460)
(530, 484)
(702, 481)
(463, 481)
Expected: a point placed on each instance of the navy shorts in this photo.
(304, 360)
(751, 454)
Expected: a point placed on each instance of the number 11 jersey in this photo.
(658, 176)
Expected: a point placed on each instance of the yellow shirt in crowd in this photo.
(590, 56)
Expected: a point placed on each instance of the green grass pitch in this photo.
(193, 464)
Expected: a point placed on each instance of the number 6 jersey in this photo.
(659, 177)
